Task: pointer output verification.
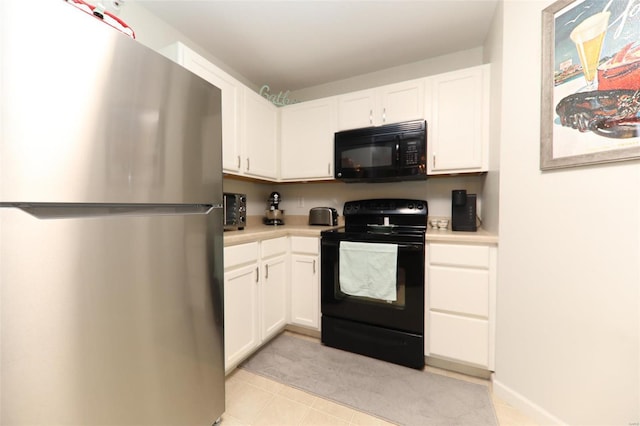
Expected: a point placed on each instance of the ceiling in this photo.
(295, 44)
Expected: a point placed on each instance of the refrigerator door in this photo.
(91, 116)
(111, 320)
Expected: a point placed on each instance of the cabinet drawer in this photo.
(273, 247)
(459, 338)
(240, 254)
(464, 291)
(304, 245)
(459, 255)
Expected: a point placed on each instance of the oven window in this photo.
(367, 156)
(400, 291)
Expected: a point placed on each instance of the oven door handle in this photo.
(412, 247)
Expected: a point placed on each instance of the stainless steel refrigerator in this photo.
(111, 302)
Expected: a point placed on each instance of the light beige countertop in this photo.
(297, 225)
(448, 236)
(257, 231)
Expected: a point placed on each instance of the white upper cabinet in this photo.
(306, 139)
(249, 121)
(388, 104)
(356, 109)
(401, 102)
(295, 142)
(259, 136)
(230, 88)
(457, 112)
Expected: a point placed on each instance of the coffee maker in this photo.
(463, 211)
(273, 215)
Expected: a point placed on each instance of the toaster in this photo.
(327, 216)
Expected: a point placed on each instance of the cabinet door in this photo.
(459, 338)
(356, 109)
(240, 314)
(457, 105)
(400, 102)
(305, 291)
(459, 290)
(306, 136)
(230, 89)
(273, 292)
(259, 134)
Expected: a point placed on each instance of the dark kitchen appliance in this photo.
(381, 249)
(393, 152)
(327, 216)
(463, 211)
(273, 215)
(235, 211)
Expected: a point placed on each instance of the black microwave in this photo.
(392, 152)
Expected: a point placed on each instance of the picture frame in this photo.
(590, 114)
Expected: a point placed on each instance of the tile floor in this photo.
(253, 400)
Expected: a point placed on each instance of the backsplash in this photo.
(297, 199)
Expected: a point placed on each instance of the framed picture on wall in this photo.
(590, 105)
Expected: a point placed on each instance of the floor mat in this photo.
(398, 394)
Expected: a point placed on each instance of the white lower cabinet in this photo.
(305, 282)
(241, 319)
(273, 286)
(460, 302)
(255, 296)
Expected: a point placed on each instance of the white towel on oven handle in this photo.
(369, 269)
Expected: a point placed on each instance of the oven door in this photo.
(406, 313)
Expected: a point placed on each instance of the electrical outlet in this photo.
(300, 201)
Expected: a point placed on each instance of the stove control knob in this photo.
(410, 206)
(420, 206)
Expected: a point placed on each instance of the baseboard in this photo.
(527, 407)
(303, 330)
(457, 367)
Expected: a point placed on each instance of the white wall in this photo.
(437, 192)
(568, 300)
(491, 188)
(155, 33)
(431, 66)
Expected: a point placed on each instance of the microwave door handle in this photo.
(397, 153)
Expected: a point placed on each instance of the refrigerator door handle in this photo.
(79, 210)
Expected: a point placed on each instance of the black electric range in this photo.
(392, 330)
